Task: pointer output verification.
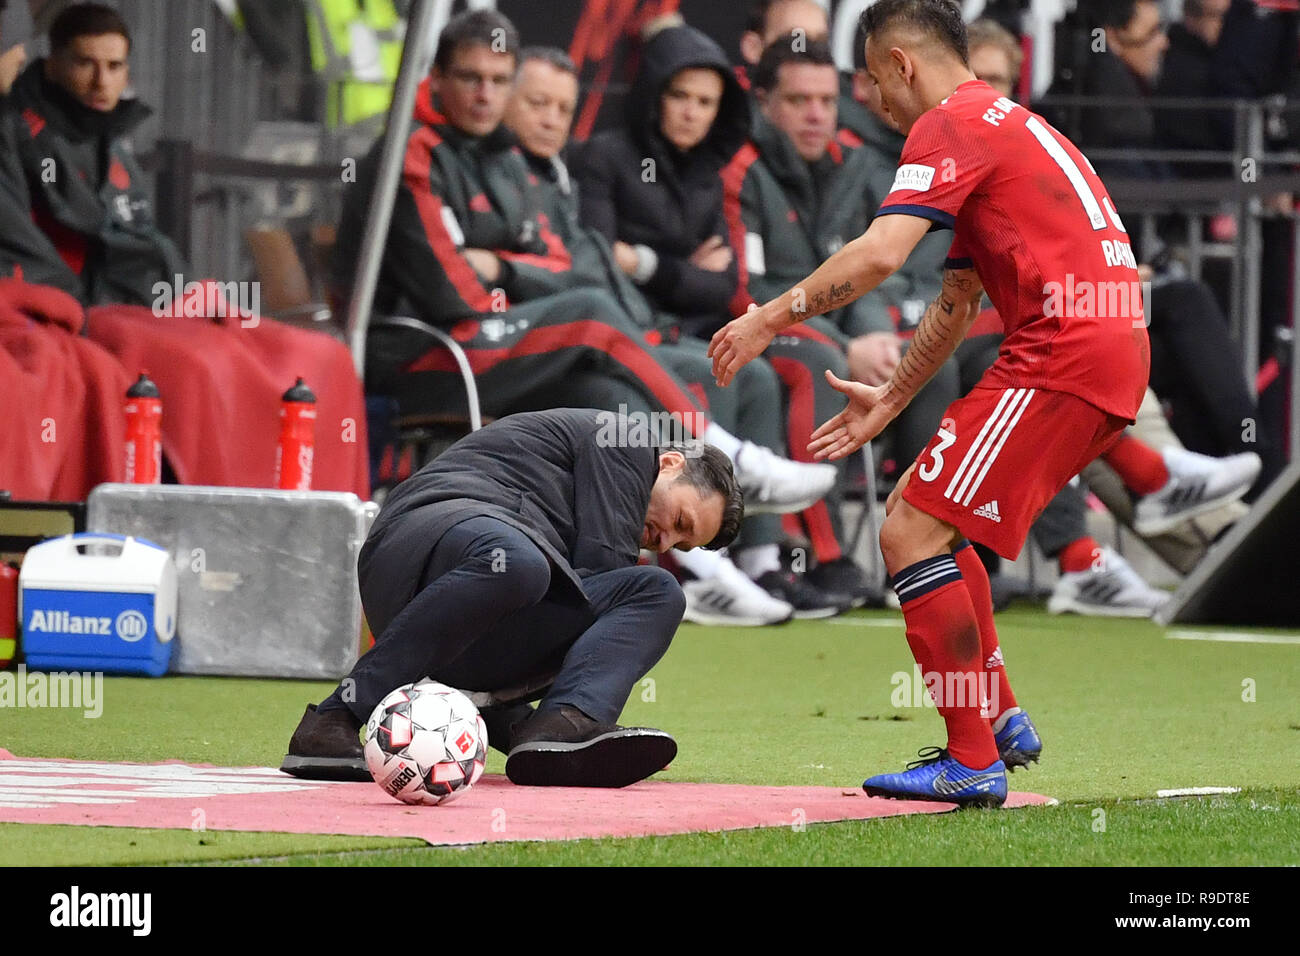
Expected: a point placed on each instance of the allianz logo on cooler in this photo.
(130, 625)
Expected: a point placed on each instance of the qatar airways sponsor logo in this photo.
(913, 176)
(1088, 299)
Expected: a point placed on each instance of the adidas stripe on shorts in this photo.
(1001, 455)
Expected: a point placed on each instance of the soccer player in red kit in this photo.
(1034, 226)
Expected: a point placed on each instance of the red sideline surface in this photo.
(179, 796)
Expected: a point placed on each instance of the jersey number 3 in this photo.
(928, 471)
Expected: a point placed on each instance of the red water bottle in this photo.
(143, 433)
(8, 612)
(293, 455)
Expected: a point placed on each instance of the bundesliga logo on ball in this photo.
(425, 743)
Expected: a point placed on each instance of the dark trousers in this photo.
(489, 612)
(1197, 368)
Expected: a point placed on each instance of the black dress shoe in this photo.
(326, 746)
(563, 747)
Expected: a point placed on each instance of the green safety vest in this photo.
(356, 47)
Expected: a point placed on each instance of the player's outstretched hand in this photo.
(865, 417)
(737, 343)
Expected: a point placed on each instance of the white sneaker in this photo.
(1112, 590)
(775, 484)
(1197, 484)
(730, 598)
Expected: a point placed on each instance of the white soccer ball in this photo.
(425, 743)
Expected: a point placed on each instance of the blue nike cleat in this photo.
(1018, 742)
(938, 776)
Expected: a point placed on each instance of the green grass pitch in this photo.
(1123, 710)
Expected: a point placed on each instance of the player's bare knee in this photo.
(909, 535)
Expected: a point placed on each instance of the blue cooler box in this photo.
(113, 611)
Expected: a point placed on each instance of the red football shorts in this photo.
(1001, 455)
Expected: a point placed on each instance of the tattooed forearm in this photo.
(937, 337)
(824, 301)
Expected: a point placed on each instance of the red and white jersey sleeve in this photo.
(937, 172)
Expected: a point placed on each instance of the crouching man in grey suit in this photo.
(511, 562)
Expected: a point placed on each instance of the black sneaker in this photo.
(843, 576)
(808, 601)
(326, 746)
(563, 747)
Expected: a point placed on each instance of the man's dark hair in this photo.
(939, 19)
(756, 19)
(781, 51)
(709, 471)
(548, 54)
(1115, 14)
(476, 28)
(86, 19)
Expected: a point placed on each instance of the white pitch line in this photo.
(1233, 637)
(863, 622)
(1197, 791)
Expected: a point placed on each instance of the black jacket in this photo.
(88, 191)
(1130, 125)
(639, 188)
(591, 258)
(25, 251)
(563, 477)
(1188, 71)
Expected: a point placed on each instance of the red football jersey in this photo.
(1030, 214)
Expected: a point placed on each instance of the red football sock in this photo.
(976, 577)
(944, 636)
(1078, 555)
(1139, 465)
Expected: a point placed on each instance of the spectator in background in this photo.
(995, 56)
(1256, 54)
(221, 380)
(1125, 70)
(539, 112)
(653, 189)
(1188, 71)
(79, 118)
(804, 20)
